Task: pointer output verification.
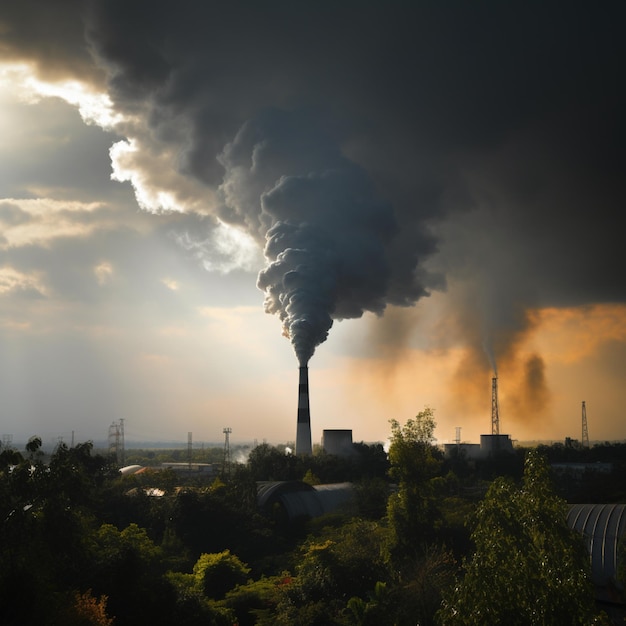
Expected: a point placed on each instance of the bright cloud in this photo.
(12, 282)
(38, 221)
(170, 284)
(94, 107)
(103, 272)
(224, 249)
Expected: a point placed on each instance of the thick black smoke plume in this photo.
(327, 232)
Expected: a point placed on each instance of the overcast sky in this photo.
(416, 195)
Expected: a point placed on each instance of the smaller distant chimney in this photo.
(303, 432)
(495, 413)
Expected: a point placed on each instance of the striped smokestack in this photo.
(303, 433)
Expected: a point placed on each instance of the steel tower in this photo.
(226, 463)
(585, 436)
(495, 414)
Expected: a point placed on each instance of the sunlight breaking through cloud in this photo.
(94, 107)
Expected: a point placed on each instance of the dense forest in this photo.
(426, 539)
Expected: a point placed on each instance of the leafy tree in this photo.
(371, 496)
(192, 607)
(127, 566)
(370, 461)
(371, 612)
(218, 573)
(411, 597)
(412, 510)
(311, 479)
(341, 563)
(417, 589)
(87, 610)
(256, 601)
(213, 520)
(125, 500)
(329, 468)
(33, 448)
(47, 515)
(269, 463)
(528, 566)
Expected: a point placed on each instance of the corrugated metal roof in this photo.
(299, 499)
(602, 526)
(334, 496)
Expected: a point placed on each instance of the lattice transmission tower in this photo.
(226, 464)
(116, 441)
(585, 435)
(495, 413)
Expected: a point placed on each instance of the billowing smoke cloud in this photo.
(535, 383)
(277, 167)
(326, 231)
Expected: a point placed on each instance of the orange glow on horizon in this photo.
(559, 361)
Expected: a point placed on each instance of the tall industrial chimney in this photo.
(303, 432)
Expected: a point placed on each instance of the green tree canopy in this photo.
(218, 573)
(269, 463)
(412, 509)
(341, 563)
(528, 566)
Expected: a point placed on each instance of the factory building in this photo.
(337, 442)
(492, 444)
(489, 445)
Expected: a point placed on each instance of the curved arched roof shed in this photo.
(299, 500)
(602, 526)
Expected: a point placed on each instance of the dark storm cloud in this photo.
(494, 131)
(48, 34)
